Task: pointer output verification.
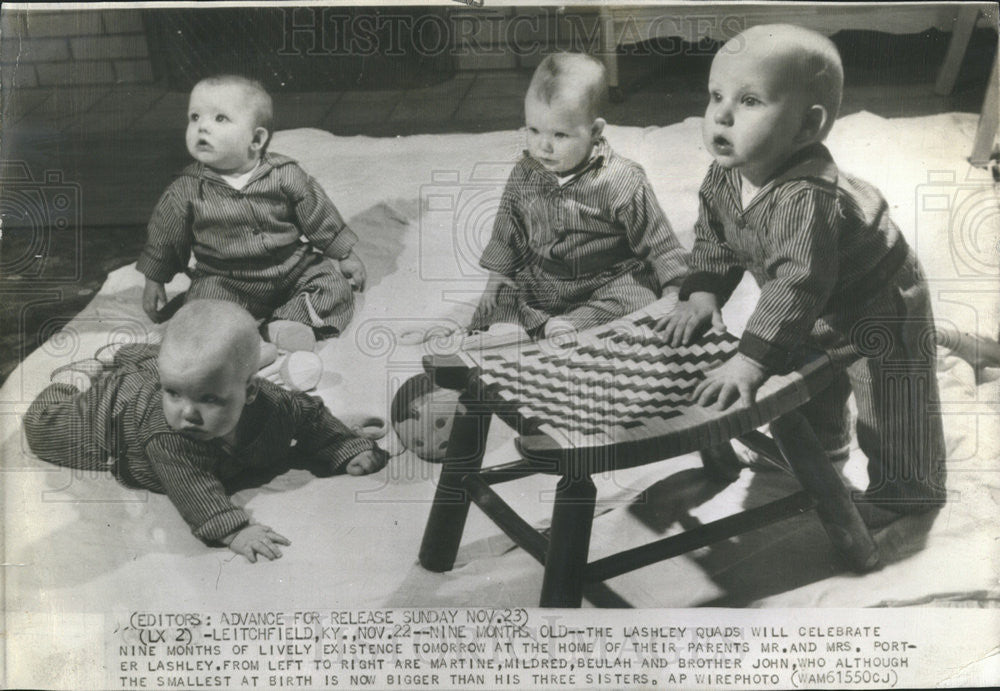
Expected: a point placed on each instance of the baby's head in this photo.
(207, 363)
(229, 123)
(773, 90)
(562, 110)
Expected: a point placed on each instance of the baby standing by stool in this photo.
(833, 268)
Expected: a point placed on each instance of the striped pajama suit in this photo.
(247, 243)
(118, 425)
(590, 250)
(835, 273)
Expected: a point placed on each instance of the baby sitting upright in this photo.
(241, 211)
(579, 238)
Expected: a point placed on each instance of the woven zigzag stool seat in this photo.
(615, 397)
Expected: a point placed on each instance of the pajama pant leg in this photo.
(830, 418)
(256, 297)
(895, 388)
(621, 296)
(509, 309)
(313, 292)
(318, 295)
(584, 302)
(888, 359)
(59, 430)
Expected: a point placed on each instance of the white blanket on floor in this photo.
(423, 207)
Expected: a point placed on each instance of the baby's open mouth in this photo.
(722, 142)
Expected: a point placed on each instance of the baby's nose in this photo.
(723, 114)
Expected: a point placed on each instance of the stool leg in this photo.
(446, 521)
(840, 518)
(569, 542)
(721, 463)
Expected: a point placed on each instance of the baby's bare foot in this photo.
(291, 336)
(268, 354)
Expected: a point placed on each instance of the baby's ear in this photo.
(597, 129)
(253, 386)
(260, 135)
(813, 123)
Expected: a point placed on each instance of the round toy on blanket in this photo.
(302, 370)
(422, 416)
(298, 371)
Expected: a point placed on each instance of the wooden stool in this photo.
(564, 553)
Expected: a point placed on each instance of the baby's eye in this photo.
(170, 392)
(532, 130)
(751, 101)
(193, 117)
(220, 118)
(714, 96)
(561, 135)
(211, 399)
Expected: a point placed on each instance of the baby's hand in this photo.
(354, 270)
(736, 380)
(154, 298)
(492, 290)
(256, 539)
(691, 315)
(367, 462)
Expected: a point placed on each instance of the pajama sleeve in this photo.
(168, 238)
(715, 268)
(325, 443)
(185, 470)
(650, 236)
(318, 219)
(506, 251)
(802, 250)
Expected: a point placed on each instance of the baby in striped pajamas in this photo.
(833, 268)
(242, 210)
(190, 420)
(579, 238)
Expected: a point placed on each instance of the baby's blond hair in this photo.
(814, 64)
(213, 330)
(573, 76)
